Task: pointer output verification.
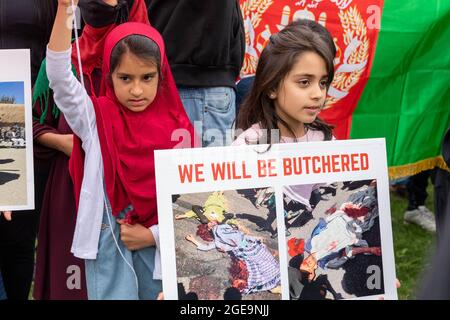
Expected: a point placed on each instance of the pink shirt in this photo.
(299, 193)
(252, 135)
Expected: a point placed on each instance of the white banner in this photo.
(300, 220)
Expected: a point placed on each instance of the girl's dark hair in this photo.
(141, 46)
(276, 61)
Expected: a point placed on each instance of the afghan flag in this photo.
(392, 70)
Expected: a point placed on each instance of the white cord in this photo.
(105, 201)
(109, 213)
(80, 65)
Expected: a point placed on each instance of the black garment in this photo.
(296, 286)
(356, 275)
(295, 277)
(435, 285)
(300, 288)
(243, 88)
(17, 243)
(26, 24)
(317, 289)
(442, 190)
(205, 40)
(98, 14)
(417, 189)
(441, 200)
(17, 247)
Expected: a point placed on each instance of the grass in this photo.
(412, 246)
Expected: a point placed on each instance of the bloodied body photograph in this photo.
(333, 240)
(223, 248)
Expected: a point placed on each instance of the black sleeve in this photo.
(239, 31)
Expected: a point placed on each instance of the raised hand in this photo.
(112, 3)
(67, 3)
(7, 215)
(60, 39)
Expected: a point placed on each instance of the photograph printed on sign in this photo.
(16, 131)
(333, 240)
(226, 245)
(13, 179)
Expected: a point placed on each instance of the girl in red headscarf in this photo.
(137, 112)
(60, 275)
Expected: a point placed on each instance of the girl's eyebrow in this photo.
(121, 74)
(150, 73)
(309, 75)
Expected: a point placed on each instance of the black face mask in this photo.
(98, 14)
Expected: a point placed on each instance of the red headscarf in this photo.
(92, 40)
(92, 44)
(128, 139)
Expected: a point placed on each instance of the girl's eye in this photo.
(304, 82)
(124, 78)
(148, 77)
(323, 83)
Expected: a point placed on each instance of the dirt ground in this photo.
(336, 277)
(13, 181)
(12, 113)
(206, 273)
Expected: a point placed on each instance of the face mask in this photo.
(98, 14)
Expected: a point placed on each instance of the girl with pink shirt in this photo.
(293, 75)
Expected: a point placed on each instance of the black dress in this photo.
(24, 24)
(436, 284)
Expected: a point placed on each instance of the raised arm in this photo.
(60, 39)
(69, 95)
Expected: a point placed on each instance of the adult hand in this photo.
(112, 3)
(135, 237)
(7, 215)
(67, 3)
(397, 285)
